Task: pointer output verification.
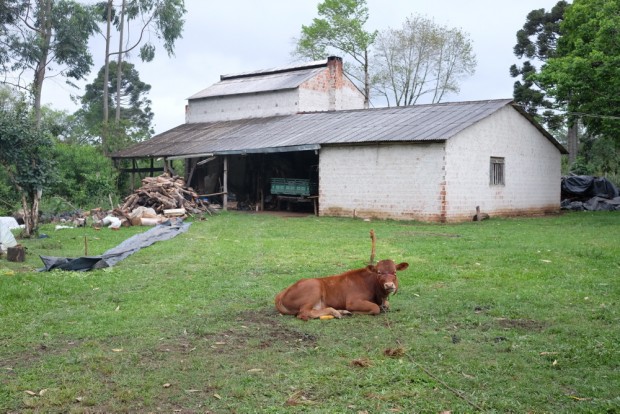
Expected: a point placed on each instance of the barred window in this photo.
(497, 171)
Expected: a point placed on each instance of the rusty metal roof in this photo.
(303, 131)
(263, 80)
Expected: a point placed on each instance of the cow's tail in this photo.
(279, 306)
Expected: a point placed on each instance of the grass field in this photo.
(501, 316)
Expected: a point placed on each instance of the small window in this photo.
(497, 171)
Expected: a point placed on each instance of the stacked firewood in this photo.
(165, 192)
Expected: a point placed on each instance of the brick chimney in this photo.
(334, 64)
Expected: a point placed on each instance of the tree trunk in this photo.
(34, 211)
(119, 71)
(104, 134)
(366, 81)
(45, 35)
(27, 216)
(573, 140)
(31, 212)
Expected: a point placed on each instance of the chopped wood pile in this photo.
(165, 192)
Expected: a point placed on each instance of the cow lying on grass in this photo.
(356, 291)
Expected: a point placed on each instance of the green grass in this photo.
(516, 315)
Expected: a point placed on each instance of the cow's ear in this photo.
(402, 266)
(372, 268)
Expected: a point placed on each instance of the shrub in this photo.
(87, 177)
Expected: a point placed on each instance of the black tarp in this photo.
(111, 257)
(584, 192)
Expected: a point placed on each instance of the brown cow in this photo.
(356, 291)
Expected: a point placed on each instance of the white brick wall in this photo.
(409, 181)
(400, 181)
(532, 169)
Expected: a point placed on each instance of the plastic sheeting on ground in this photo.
(584, 192)
(161, 232)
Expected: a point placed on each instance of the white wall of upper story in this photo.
(232, 107)
(320, 93)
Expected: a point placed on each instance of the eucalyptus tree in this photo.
(421, 59)
(161, 18)
(340, 27)
(44, 38)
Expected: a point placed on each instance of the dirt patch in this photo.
(429, 234)
(259, 329)
(28, 357)
(525, 324)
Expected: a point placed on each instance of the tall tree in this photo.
(421, 59)
(38, 34)
(135, 107)
(340, 27)
(537, 42)
(584, 74)
(163, 18)
(25, 157)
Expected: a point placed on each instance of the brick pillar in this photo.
(334, 64)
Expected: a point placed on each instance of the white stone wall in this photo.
(258, 105)
(399, 181)
(532, 169)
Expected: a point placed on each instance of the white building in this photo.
(424, 162)
(312, 87)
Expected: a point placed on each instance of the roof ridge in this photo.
(272, 71)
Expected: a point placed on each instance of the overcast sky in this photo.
(231, 36)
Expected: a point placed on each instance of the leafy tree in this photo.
(421, 59)
(135, 111)
(38, 34)
(584, 74)
(340, 27)
(25, 157)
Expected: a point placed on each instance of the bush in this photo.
(87, 177)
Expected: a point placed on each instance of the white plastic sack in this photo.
(9, 222)
(114, 222)
(6, 238)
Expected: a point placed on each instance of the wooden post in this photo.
(225, 186)
(191, 173)
(133, 174)
(373, 239)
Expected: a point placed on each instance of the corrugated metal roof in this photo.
(262, 81)
(437, 122)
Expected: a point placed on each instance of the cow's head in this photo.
(386, 274)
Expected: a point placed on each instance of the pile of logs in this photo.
(165, 192)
